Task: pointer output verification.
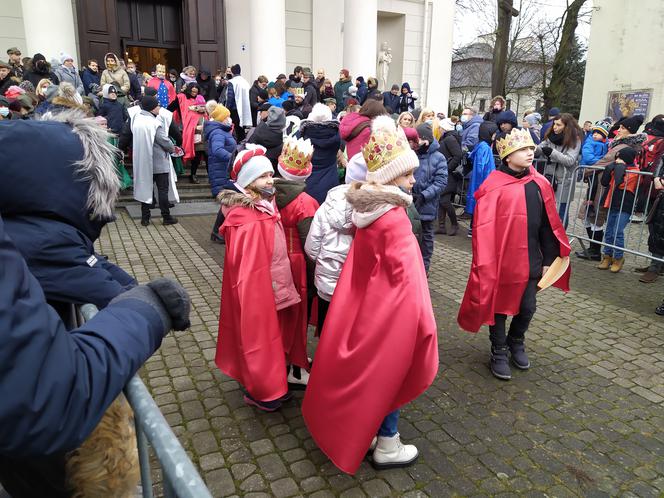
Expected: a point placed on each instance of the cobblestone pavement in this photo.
(586, 420)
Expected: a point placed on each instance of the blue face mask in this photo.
(267, 193)
(4, 111)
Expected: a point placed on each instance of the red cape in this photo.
(250, 347)
(379, 348)
(500, 271)
(156, 82)
(189, 122)
(295, 337)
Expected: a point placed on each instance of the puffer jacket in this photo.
(220, 148)
(430, 181)
(560, 165)
(355, 130)
(329, 240)
(326, 141)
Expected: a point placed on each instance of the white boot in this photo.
(372, 446)
(390, 453)
(298, 378)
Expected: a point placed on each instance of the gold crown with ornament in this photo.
(387, 153)
(295, 159)
(297, 91)
(516, 139)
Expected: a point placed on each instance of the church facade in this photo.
(264, 36)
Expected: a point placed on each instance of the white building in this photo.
(264, 36)
(625, 66)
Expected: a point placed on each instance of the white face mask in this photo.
(464, 118)
(4, 111)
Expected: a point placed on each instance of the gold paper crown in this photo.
(295, 158)
(298, 91)
(515, 140)
(383, 147)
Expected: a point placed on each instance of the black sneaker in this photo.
(170, 220)
(215, 237)
(500, 366)
(145, 221)
(518, 354)
(660, 310)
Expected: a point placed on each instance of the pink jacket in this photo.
(355, 130)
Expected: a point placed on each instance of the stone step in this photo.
(186, 195)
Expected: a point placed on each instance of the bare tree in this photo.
(506, 11)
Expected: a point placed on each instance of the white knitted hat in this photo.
(387, 154)
(250, 164)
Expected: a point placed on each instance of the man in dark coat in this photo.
(56, 195)
(391, 99)
(6, 78)
(135, 86)
(310, 90)
(90, 76)
(257, 95)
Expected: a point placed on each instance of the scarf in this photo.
(187, 79)
(556, 138)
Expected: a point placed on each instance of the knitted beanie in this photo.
(320, 112)
(387, 154)
(295, 159)
(627, 154)
(250, 164)
(601, 127)
(220, 113)
(356, 169)
(633, 123)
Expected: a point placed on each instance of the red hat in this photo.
(346, 72)
(411, 134)
(250, 164)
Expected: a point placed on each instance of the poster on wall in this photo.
(628, 103)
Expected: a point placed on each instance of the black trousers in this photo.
(239, 130)
(323, 306)
(35, 477)
(161, 180)
(218, 222)
(445, 206)
(520, 322)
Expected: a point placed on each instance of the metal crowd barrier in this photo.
(181, 479)
(578, 214)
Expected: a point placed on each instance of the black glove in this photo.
(168, 299)
(175, 299)
(546, 150)
(418, 200)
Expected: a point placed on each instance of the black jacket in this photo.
(450, 146)
(543, 246)
(272, 140)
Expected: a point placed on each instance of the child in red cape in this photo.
(297, 209)
(517, 234)
(368, 364)
(257, 289)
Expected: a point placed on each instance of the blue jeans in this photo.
(615, 229)
(563, 212)
(389, 426)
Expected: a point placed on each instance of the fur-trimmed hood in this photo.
(230, 198)
(370, 201)
(632, 140)
(62, 167)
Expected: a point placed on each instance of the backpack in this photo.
(647, 159)
(239, 148)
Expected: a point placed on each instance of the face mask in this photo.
(4, 111)
(464, 118)
(407, 192)
(267, 193)
(429, 121)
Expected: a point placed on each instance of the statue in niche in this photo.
(384, 61)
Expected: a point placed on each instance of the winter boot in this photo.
(649, 277)
(453, 230)
(606, 263)
(518, 353)
(297, 378)
(218, 239)
(660, 309)
(617, 264)
(390, 453)
(441, 222)
(500, 366)
(266, 406)
(170, 220)
(372, 446)
(145, 221)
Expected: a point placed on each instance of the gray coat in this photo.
(70, 75)
(561, 164)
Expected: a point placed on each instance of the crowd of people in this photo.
(330, 198)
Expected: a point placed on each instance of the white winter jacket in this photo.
(329, 240)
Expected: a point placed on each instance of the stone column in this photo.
(440, 58)
(267, 41)
(360, 37)
(49, 28)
